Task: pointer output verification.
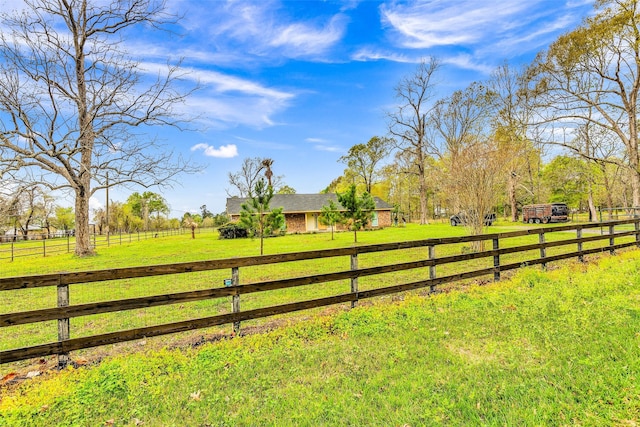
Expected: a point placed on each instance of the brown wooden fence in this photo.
(601, 237)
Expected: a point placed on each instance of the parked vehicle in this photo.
(545, 213)
(461, 219)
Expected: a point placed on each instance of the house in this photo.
(301, 211)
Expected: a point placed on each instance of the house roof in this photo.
(292, 203)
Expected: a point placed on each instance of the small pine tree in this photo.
(257, 217)
(358, 211)
(330, 215)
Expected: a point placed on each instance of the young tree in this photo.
(330, 215)
(358, 210)
(476, 183)
(569, 181)
(362, 159)
(27, 209)
(191, 222)
(71, 99)
(64, 219)
(409, 123)
(473, 161)
(258, 217)
(146, 204)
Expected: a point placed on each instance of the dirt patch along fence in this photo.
(405, 266)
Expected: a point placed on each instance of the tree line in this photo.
(561, 129)
(32, 208)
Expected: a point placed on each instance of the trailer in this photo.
(545, 213)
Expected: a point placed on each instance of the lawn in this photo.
(182, 248)
(560, 347)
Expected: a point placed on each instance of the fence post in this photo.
(235, 299)
(63, 324)
(611, 239)
(496, 260)
(579, 236)
(68, 243)
(354, 280)
(432, 268)
(12, 242)
(44, 248)
(637, 227)
(543, 249)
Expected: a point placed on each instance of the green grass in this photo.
(206, 246)
(546, 348)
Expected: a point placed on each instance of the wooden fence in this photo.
(601, 237)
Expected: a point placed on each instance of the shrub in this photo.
(232, 230)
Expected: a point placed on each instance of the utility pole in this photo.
(107, 210)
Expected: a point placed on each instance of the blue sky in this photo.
(302, 81)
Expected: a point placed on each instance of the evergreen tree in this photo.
(256, 215)
(358, 210)
(330, 215)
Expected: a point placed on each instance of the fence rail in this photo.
(606, 234)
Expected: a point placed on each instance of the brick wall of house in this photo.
(384, 218)
(295, 223)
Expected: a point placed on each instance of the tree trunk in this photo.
(512, 197)
(593, 214)
(83, 236)
(422, 189)
(635, 186)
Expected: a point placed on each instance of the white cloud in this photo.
(364, 55)
(494, 28)
(329, 148)
(224, 152)
(301, 39)
(225, 101)
(263, 29)
(467, 62)
(440, 23)
(94, 204)
(226, 83)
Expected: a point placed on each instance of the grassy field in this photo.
(206, 246)
(560, 347)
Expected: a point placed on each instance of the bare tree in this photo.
(592, 75)
(246, 178)
(473, 161)
(461, 121)
(71, 99)
(408, 124)
(244, 181)
(477, 182)
(510, 123)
